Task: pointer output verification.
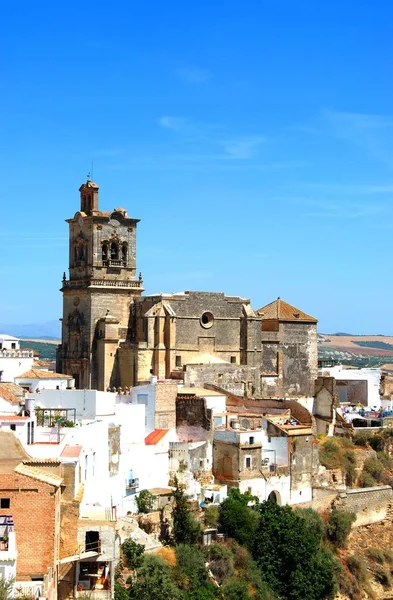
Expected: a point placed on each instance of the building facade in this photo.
(112, 337)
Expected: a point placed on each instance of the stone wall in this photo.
(165, 404)
(369, 504)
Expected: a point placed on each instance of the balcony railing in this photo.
(114, 262)
(93, 547)
(132, 486)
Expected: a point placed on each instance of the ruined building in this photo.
(112, 336)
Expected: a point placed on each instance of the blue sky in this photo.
(253, 139)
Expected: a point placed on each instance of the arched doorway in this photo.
(274, 497)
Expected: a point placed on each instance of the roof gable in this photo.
(282, 311)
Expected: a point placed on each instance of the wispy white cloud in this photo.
(215, 143)
(243, 147)
(174, 123)
(193, 74)
(372, 132)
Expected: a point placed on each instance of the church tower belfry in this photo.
(100, 289)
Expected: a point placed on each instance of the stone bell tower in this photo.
(99, 290)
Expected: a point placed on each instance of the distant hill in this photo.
(47, 351)
(356, 350)
(50, 330)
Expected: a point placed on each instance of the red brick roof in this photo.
(155, 436)
(282, 311)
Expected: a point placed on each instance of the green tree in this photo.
(154, 581)
(339, 526)
(186, 529)
(237, 518)
(192, 575)
(133, 553)
(144, 501)
(313, 521)
(290, 555)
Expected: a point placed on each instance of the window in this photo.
(178, 361)
(207, 320)
(124, 250)
(114, 251)
(13, 346)
(233, 360)
(248, 462)
(92, 541)
(269, 440)
(252, 439)
(13, 427)
(104, 252)
(4, 503)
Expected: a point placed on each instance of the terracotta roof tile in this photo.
(35, 473)
(41, 374)
(282, 311)
(155, 436)
(7, 395)
(13, 418)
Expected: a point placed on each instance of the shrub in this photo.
(314, 522)
(186, 529)
(339, 526)
(388, 554)
(374, 467)
(366, 480)
(377, 443)
(385, 460)
(349, 465)
(212, 513)
(376, 554)
(361, 438)
(220, 562)
(330, 454)
(133, 553)
(144, 501)
(357, 567)
(382, 575)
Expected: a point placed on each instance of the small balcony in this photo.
(114, 262)
(132, 486)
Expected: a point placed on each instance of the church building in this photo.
(114, 337)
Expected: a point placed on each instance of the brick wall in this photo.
(165, 406)
(35, 508)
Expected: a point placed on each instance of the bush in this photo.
(377, 443)
(133, 554)
(374, 467)
(220, 563)
(376, 554)
(212, 513)
(236, 590)
(361, 438)
(144, 501)
(339, 526)
(237, 519)
(349, 465)
(385, 460)
(314, 522)
(330, 454)
(382, 575)
(366, 480)
(358, 567)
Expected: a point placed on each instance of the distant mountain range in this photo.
(51, 330)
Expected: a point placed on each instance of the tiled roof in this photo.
(39, 474)
(13, 418)
(155, 436)
(7, 395)
(41, 374)
(282, 311)
(71, 451)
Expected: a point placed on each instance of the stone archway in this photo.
(274, 497)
